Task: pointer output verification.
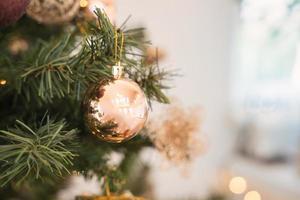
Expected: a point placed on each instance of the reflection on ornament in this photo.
(90, 6)
(238, 185)
(3, 82)
(252, 195)
(115, 111)
(53, 11)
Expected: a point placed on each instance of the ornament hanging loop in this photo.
(117, 69)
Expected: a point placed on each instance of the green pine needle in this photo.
(35, 152)
(64, 67)
(54, 74)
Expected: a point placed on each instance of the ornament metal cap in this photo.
(117, 71)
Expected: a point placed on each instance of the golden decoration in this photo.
(109, 196)
(53, 11)
(115, 111)
(121, 197)
(174, 134)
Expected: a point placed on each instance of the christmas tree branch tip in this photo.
(29, 153)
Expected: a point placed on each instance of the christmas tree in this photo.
(58, 62)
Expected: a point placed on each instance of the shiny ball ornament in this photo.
(53, 11)
(11, 11)
(115, 111)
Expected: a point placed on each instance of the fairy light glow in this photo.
(3, 82)
(238, 185)
(252, 195)
(83, 3)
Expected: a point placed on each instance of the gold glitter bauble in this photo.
(115, 111)
(53, 11)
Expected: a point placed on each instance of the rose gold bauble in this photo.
(115, 111)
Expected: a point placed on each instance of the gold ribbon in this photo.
(117, 69)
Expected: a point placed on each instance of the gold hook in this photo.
(117, 69)
(122, 44)
(118, 59)
(116, 45)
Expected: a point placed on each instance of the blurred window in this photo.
(266, 83)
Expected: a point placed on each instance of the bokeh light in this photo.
(238, 185)
(83, 3)
(252, 195)
(2, 82)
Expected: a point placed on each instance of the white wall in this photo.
(197, 36)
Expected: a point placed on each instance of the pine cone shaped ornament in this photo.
(53, 11)
(11, 11)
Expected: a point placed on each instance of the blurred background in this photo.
(239, 69)
(240, 62)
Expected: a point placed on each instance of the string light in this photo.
(83, 3)
(3, 82)
(252, 195)
(238, 185)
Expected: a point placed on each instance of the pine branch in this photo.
(101, 42)
(66, 66)
(50, 72)
(149, 77)
(152, 80)
(35, 152)
(58, 71)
